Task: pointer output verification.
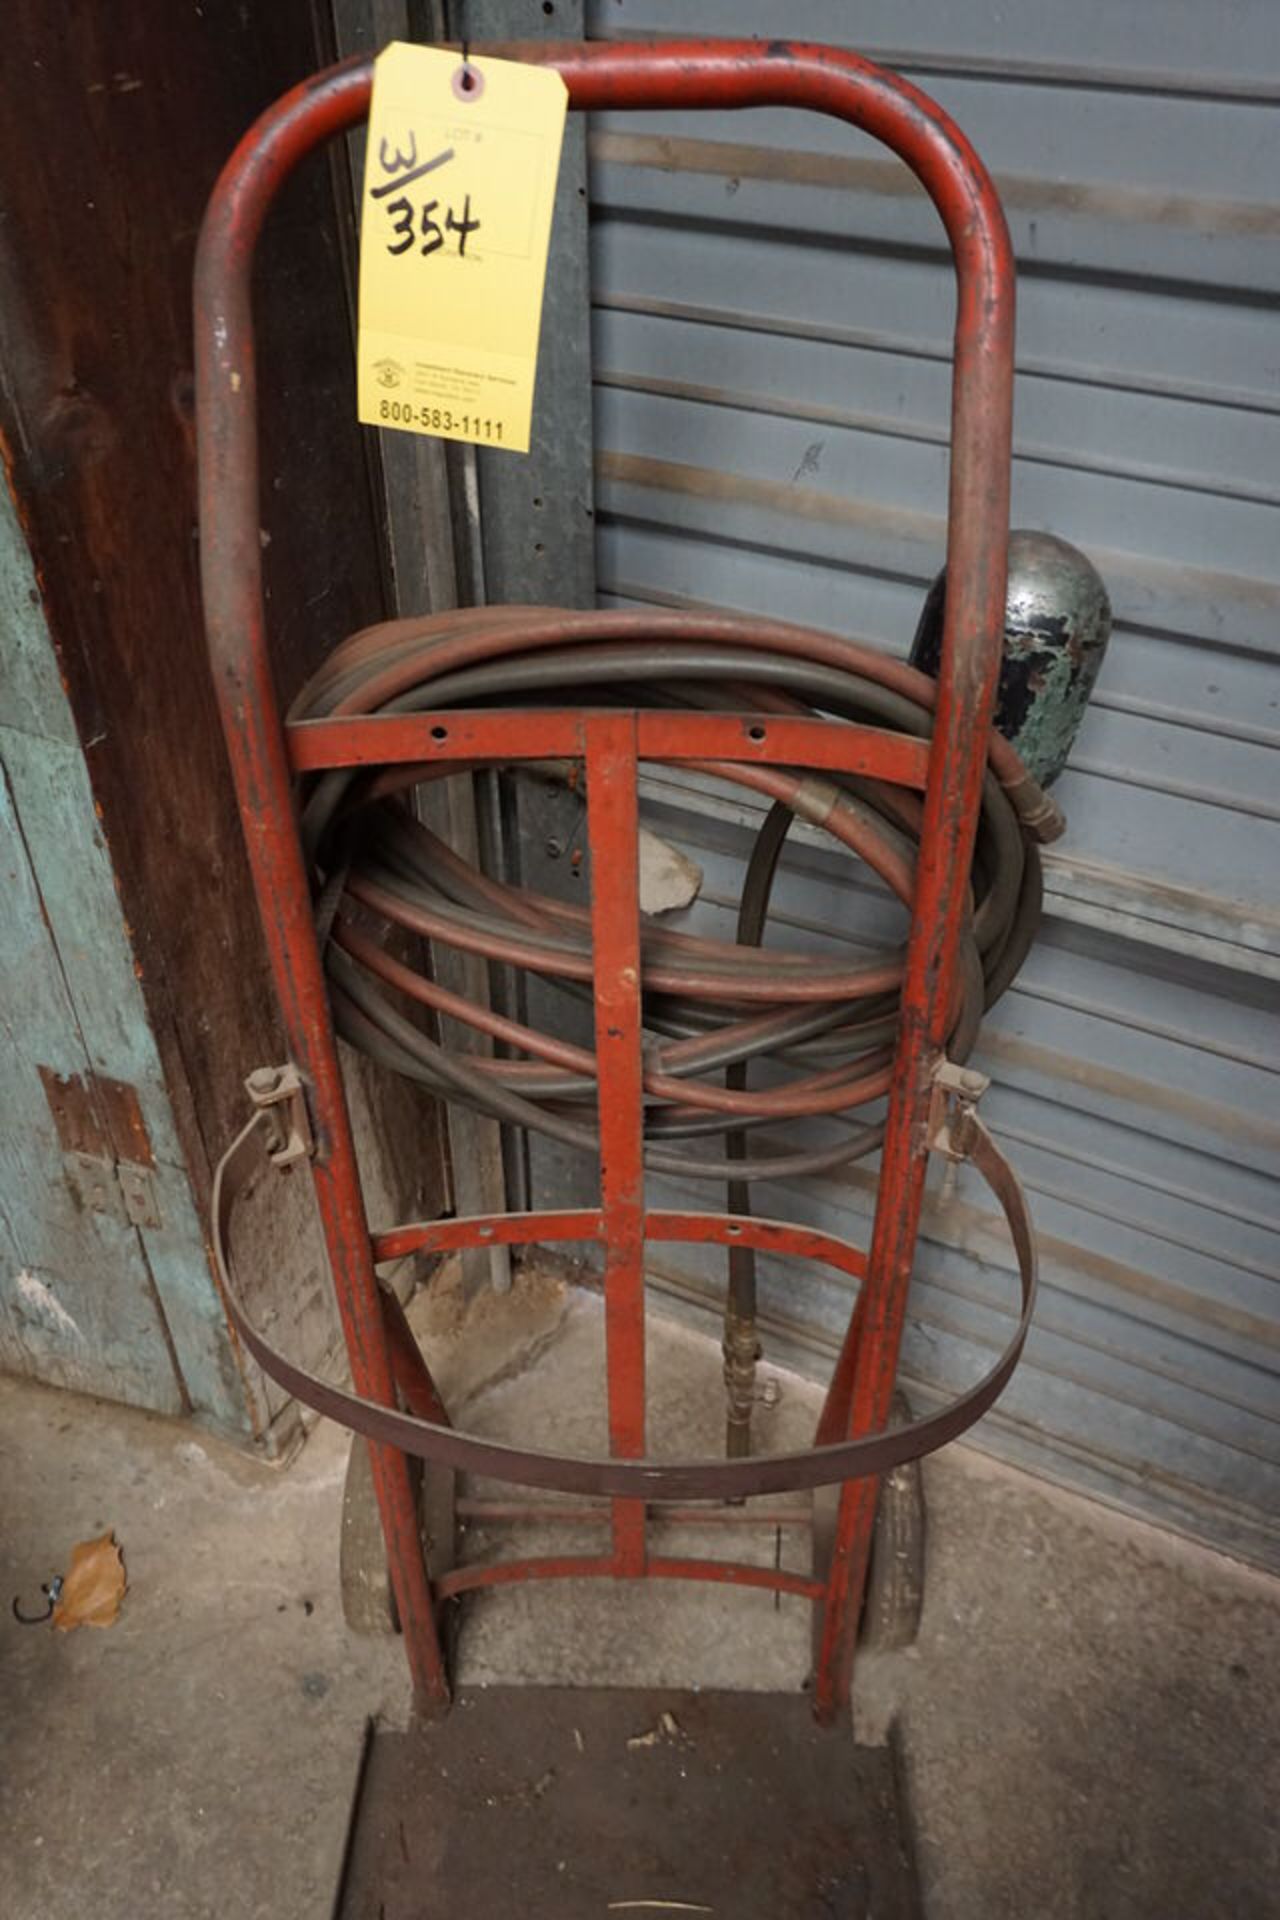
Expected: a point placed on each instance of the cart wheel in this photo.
(368, 1603)
(894, 1596)
(438, 1522)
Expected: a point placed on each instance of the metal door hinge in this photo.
(138, 1188)
(106, 1152)
(116, 1189)
(279, 1095)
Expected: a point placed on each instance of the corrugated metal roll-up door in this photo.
(771, 359)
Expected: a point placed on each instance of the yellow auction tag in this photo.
(459, 180)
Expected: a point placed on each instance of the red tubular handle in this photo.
(693, 74)
(680, 74)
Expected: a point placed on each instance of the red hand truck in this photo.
(300, 1110)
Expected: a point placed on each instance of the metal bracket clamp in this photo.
(953, 1109)
(278, 1095)
(953, 1123)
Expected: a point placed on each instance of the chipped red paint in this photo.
(427, 741)
(580, 1223)
(691, 74)
(613, 825)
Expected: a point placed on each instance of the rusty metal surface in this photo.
(582, 1802)
(94, 1114)
(935, 968)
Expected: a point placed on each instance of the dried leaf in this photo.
(94, 1585)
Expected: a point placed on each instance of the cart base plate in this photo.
(579, 1803)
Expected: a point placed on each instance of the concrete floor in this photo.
(1090, 1716)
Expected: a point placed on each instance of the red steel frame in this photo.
(265, 756)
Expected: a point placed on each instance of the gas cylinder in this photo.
(1056, 626)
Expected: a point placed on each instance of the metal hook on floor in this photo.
(51, 1589)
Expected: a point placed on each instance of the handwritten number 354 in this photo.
(405, 167)
(433, 235)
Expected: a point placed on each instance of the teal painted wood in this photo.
(86, 1301)
(79, 1308)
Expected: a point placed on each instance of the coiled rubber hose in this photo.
(737, 1037)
